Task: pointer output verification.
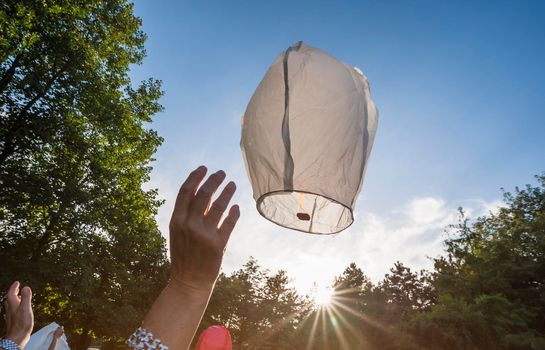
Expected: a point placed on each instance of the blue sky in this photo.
(460, 90)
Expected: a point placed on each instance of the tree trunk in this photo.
(44, 240)
(83, 341)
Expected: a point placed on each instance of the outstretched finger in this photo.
(26, 300)
(205, 193)
(228, 224)
(187, 190)
(13, 296)
(217, 208)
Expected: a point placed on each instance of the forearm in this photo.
(176, 314)
(53, 344)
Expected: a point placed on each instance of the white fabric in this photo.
(42, 339)
(306, 140)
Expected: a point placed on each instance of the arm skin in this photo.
(56, 335)
(19, 315)
(53, 344)
(197, 243)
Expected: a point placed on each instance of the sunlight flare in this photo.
(323, 295)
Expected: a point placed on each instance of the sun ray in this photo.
(305, 319)
(337, 329)
(324, 325)
(351, 329)
(362, 316)
(312, 335)
(347, 291)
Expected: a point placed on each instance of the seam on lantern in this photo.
(362, 102)
(312, 214)
(288, 160)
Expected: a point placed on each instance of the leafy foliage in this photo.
(74, 153)
(491, 284)
(257, 307)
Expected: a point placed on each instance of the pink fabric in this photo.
(215, 338)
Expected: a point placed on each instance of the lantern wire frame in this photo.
(346, 218)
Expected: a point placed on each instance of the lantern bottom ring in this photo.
(305, 211)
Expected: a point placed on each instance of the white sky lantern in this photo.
(306, 138)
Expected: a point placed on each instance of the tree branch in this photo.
(20, 120)
(8, 75)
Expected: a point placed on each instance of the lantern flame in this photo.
(302, 214)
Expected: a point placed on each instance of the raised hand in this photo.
(58, 332)
(19, 316)
(197, 239)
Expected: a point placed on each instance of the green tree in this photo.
(404, 293)
(491, 284)
(283, 309)
(350, 306)
(74, 153)
(261, 310)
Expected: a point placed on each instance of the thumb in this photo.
(26, 300)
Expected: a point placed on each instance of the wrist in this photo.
(191, 288)
(18, 339)
(9, 343)
(176, 313)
